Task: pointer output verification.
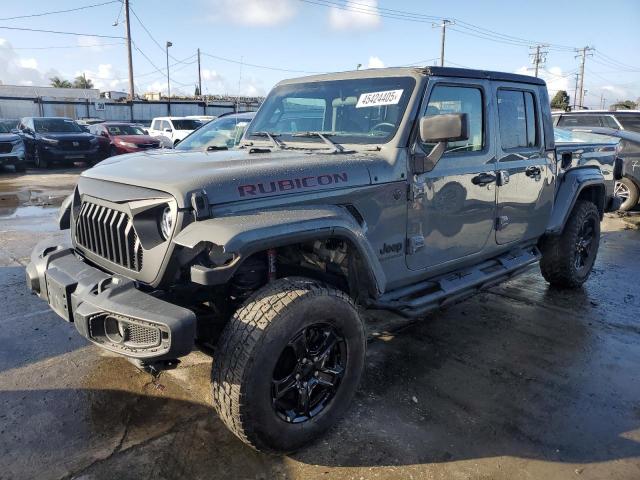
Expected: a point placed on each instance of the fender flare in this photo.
(574, 182)
(257, 230)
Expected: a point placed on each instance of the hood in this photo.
(9, 137)
(67, 136)
(136, 138)
(235, 175)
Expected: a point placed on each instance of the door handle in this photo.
(532, 171)
(483, 179)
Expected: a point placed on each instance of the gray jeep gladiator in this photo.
(403, 189)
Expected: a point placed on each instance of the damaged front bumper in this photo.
(109, 310)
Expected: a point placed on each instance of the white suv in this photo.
(174, 128)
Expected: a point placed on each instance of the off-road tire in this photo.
(634, 194)
(250, 346)
(558, 263)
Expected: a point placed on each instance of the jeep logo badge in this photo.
(393, 248)
(76, 144)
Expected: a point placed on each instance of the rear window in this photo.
(581, 121)
(630, 122)
(517, 117)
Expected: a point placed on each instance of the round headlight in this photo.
(166, 223)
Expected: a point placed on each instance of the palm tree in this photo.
(60, 83)
(82, 81)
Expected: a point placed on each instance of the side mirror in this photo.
(448, 127)
(439, 129)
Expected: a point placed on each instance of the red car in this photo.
(116, 138)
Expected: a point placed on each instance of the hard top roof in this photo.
(419, 72)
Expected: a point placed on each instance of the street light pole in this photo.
(169, 44)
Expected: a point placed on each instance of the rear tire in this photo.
(626, 189)
(568, 258)
(269, 396)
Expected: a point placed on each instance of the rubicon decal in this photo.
(289, 184)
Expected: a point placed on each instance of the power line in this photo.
(42, 14)
(69, 46)
(266, 67)
(61, 33)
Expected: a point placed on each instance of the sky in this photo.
(293, 38)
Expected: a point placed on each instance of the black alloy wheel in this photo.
(308, 373)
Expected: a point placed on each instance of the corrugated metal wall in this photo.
(142, 111)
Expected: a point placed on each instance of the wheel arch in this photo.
(585, 183)
(253, 232)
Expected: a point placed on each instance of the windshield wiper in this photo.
(324, 136)
(271, 136)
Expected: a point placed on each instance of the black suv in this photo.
(57, 139)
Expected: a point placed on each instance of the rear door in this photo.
(453, 210)
(525, 177)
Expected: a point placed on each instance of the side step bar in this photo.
(416, 300)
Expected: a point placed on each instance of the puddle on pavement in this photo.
(29, 204)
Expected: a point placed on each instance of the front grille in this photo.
(140, 335)
(110, 234)
(74, 144)
(6, 147)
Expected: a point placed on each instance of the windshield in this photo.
(55, 125)
(125, 130)
(630, 122)
(363, 110)
(572, 136)
(223, 132)
(186, 124)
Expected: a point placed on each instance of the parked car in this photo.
(175, 128)
(627, 185)
(57, 140)
(10, 123)
(116, 138)
(11, 149)
(402, 189)
(222, 133)
(618, 119)
(202, 118)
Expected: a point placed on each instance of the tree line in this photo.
(81, 81)
(561, 101)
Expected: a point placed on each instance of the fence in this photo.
(136, 111)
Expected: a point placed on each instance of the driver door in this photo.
(452, 207)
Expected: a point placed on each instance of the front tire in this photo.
(568, 258)
(38, 160)
(628, 192)
(288, 364)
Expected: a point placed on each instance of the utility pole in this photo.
(169, 44)
(539, 57)
(575, 92)
(602, 99)
(199, 76)
(443, 25)
(128, 25)
(583, 52)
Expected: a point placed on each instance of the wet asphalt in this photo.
(517, 382)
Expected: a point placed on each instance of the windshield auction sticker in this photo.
(376, 99)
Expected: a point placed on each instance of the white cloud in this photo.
(258, 13)
(106, 78)
(358, 15)
(375, 62)
(94, 44)
(15, 70)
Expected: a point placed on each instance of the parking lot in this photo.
(516, 382)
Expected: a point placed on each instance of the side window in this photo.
(155, 125)
(517, 119)
(459, 99)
